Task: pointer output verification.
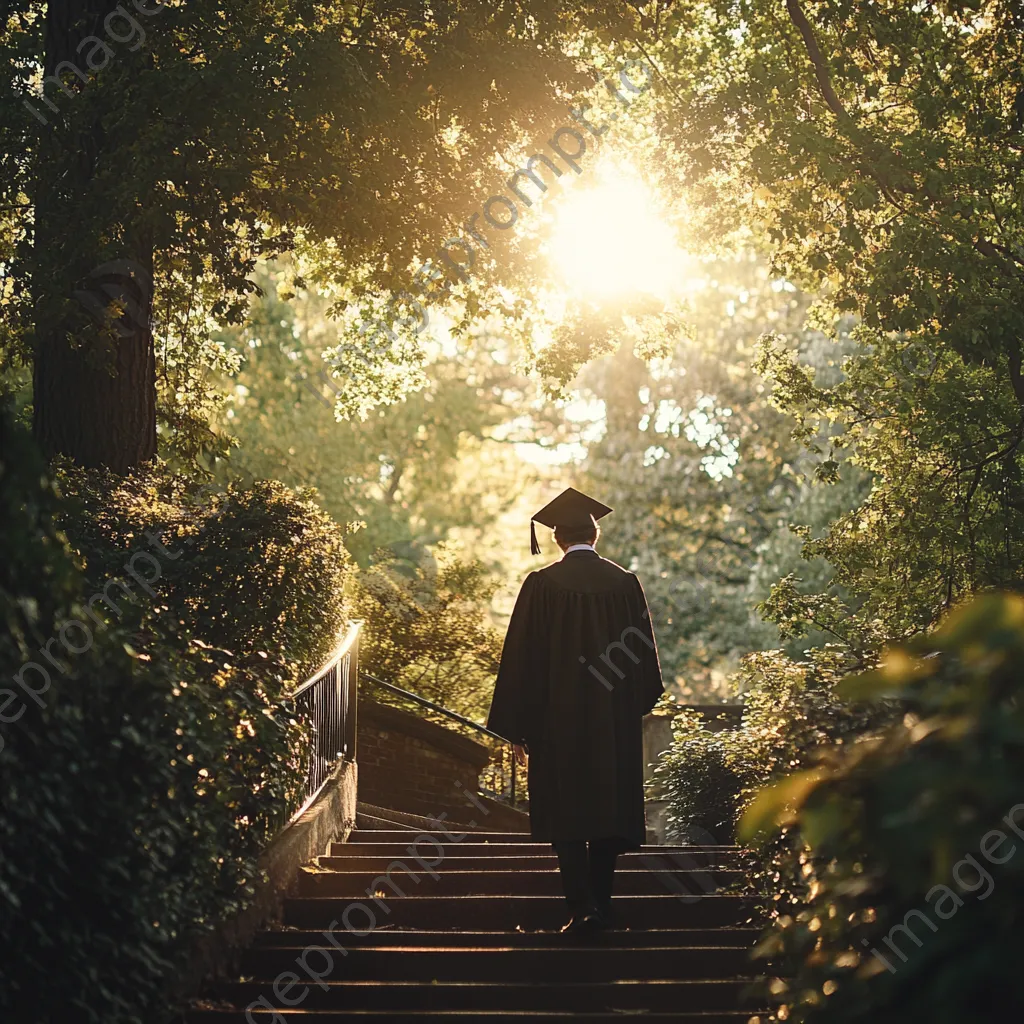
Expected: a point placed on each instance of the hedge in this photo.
(140, 781)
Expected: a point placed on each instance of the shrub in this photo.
(136, 791)
(905, 916)
(790, 713)
(703, 775)
(268, 573)
(258, 570)
(427, 630)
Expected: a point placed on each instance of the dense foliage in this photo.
(252, 570)
(790, 714)
(875, 147)
(905, 846)
(877, 151)
(407, 474)
(427, 631)
(243, 131)
(704, 776)
(141, 771)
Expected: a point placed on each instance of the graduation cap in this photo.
(570, 508)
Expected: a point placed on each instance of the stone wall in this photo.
(409, 764)
(657, 738)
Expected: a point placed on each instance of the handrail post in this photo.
(512, 757)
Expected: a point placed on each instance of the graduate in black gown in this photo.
(579, 670)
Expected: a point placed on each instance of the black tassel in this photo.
(534, 546)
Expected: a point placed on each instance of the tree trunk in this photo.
(94, 374)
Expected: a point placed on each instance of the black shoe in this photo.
(583, 924)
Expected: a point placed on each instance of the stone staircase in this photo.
(402, 925)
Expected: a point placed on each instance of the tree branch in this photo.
(797, 16)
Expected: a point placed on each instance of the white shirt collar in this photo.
(579, 547)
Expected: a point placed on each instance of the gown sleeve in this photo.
(651, 684)
(518, 677)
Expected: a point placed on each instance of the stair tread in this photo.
(566, 967)
(700, 993)
(494, 950)
(456, 871)
(551, 899)
(221, 1016)
(525, 984)
(474, 847)
(411, 884)
(390, 938)
(479, 835)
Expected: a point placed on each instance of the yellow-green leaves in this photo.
(779, 804)
(982, 626)
(976, 633)
(898, 670)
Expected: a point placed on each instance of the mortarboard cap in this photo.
(570, 508)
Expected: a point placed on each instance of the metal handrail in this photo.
(326, 702)
(333, 658)
(440, 709)
(456, 717)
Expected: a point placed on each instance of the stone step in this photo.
(370, 817)
(299, 1016)
(531, 913)
(616, 938)
(408, 878)
(645, 996)
(483, 835)
(511, 966)
(456, 861)
(478, 832)
(471, 846)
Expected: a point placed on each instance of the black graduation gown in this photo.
(579, 670)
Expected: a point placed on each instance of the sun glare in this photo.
(609, 240)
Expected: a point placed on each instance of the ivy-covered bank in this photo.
(145, 751)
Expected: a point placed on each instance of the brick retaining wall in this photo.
(409, 764)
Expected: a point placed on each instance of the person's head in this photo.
(573, 516)
(566, 536)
